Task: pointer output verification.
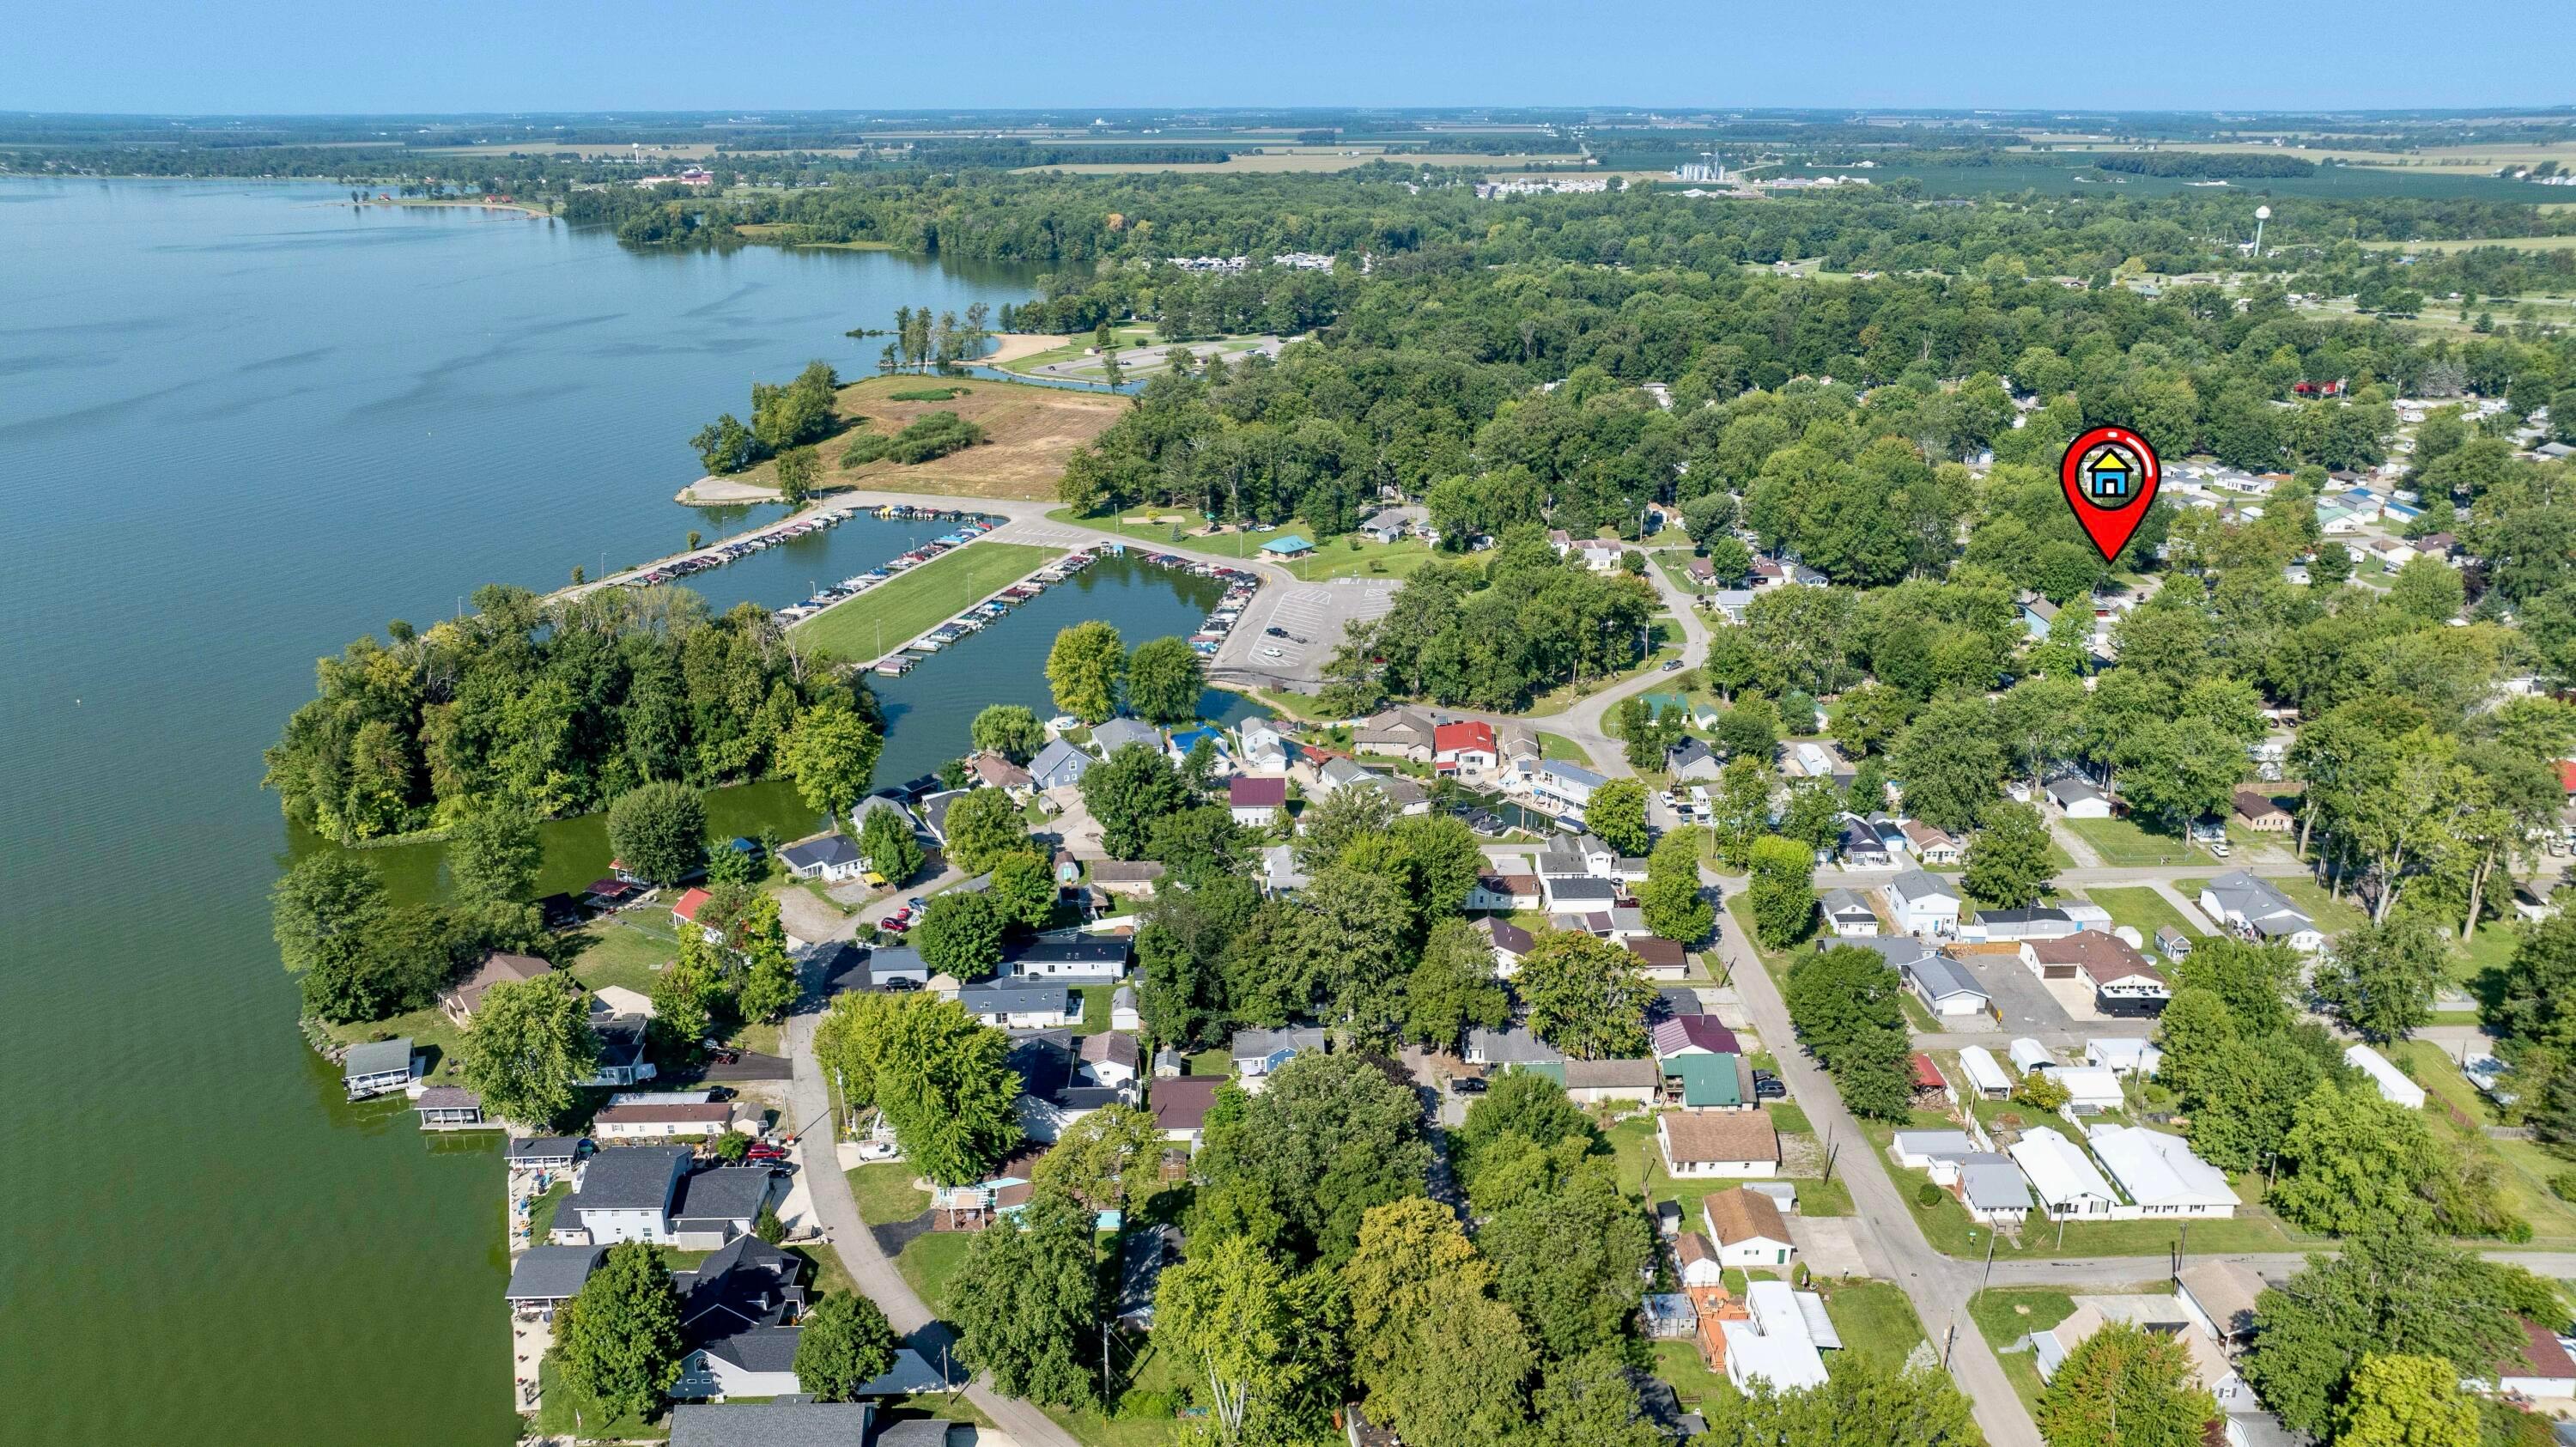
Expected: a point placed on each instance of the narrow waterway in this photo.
(239, 425)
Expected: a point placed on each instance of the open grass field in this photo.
(886, 1193)
(2005, 1317)
(1028, 434)
(1308, 160)
(565, 1411)
(2141, 909)
(2523, 1167)
(1339, 559)
(2122, 843)
(1876, 1322)
(900, 609)
(1559, 747)
(2519, 243)
(930, 1261)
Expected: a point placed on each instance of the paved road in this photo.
(819, 1162)
(1884, 1228)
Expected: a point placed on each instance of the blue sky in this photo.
(302, 56)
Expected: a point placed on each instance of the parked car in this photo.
(1672, 664)
(764, 1151)
(915, 905)
(901, 983)
(1468, 1085)
(1770, 1090)
(1272, 653)
(1276, 631)
(896, 926)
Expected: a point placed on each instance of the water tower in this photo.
(2261, 215)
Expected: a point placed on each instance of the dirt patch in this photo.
(1029, 432)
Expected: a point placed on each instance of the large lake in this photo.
(239, 425)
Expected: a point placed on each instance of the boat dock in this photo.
(1241, 585)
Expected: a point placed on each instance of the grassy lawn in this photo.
(1677, 1362)
(2123, 844)
(1216, 1060)
(1667, 640)
(541, 1211)
(2005, 1317)
(929, 1262)
(886, 1193)
(1776, 961)
(827, 1275)
(2523, 1167)
(2489, 950)
(1095, 1009)
(903, 608)
(1148, 1372)
(565, 1411)
(1559, 747)
(2141, 909)
(1641, 1170)
(1875, 1321)
(1146, 525)
(1342, 559)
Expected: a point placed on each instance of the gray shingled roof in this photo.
(774, 1424)
(552, 1273)
(628, 1178)
(729, 1193)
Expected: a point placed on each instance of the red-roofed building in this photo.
(1464, 748)
(686, 910)
(2542, 1370)
(1256, 802)
(2567, 775)
(1930, 1090)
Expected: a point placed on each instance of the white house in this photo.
(2028, 1055)
(1848, 915)
(1985, 1076)
(2394, 1086)
(1255, 803)
(1747, 1229)
(1696, 1262)
(831, 858)
(1015, 1003)
(2123, 1054)
(2160, 1175)
(1923, 903)
(2089, 1090)
(1734, 1144)
(1265, 748)
(1505, 893)
(2064, 1179)
(2255, 910)
(1778, 1340)
(1945, 987)
(1568, 784)
(649, 1119)
(1936, 1151)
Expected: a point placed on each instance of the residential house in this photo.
(1730, 604)
(1118, 733)
(882, 800)
(989, 770)
(1402, 733)
(498, 967)
(2018, 924)
(1466, 748)
(1385, 526)
(1932, 846)
(1848, 915)
(1944, 986)
(451, 1107)
(1127, 878)
(2160, 1174)
(934, 809)
(544, 1153)
(1142, 1260)
(1724, 1144)
(2254, 909)
(1510, 945)
(2122, 981)
(2256, 811)
(2077, 799)
(1509, 1046)
(1570, 785)
(793, 1423)
(1059, 765)
(1863, 847)
(1678, 1035)
(662, 1120)
(1055, 1088)
(378, 1067)
(1935, 1152)
(1505, 893)
(2393, 1084)
(1692, 761)
(2542, 1370)
(1255, 803)
(1592, 1082)
(2063, 1177)
(2123, 1055)
(1711, 1082)
(1659, 959)
(2089, 1089)
(1776, 1339)
(2219, 1297)
(684, 910)
(1263, 748)
(738, 1314)
(1279, 872)
(1110, 1058)
(1015, 1003)
(1578, 854)
(831, 858)
(1747, 1229)
(545, 1277)
(1924, 904)
(1993, 1189)
(622, 1059)
(1576, 893)
(1985, 1076)
(646, 1193)
(1258, 1052)
(1180, 1106)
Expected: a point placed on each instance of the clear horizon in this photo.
(483, 57)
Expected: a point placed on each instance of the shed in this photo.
(2394, 1085)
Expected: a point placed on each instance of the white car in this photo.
(1272, 653)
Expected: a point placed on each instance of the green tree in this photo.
(1083, 668)
(890, 846)
(2008, 858)
(942, 1081)
(1298, 1165)
(2125, 1387)
(1009, 730)
(1330, 824)
(1104, 1158)
(685, 994)
(984, 828)
(1572, 1260)
(1407, 1250)
(1263, 1341)
(2379, 980)
(1844, 1004)
(1440, 859)
(1164, 681)
(844, 1344)
(2396, 1400)
(1024, 886)
(1347, 947)
(495, 854)
(1026, 1302)
(322, 912)
(1584, 995)
(831, 753)
(1782, 891)
(1452, 987)
(659, 831)
(1128, 792)
(960, 934)
(798, 469)
(769, 984)
(1675, 907)
(1859, 1405)
(1591, 1401)
(2356, 1161)
(1470, 1358)
(619, 1339)
(1952, 764)
(530, 1046)
(1617, 816)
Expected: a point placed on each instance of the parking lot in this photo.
(2027, 1006)
(1311, 617)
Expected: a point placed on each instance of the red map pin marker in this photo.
(2111, 474)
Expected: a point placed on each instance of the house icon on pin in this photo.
(2109, 478)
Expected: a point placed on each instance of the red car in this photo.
(766, 1152)
(895, 925)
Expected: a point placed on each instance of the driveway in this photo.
(1826, 1244)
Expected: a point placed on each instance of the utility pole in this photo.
(1993, 1235)
(1830, 1127)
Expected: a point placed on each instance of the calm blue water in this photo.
(239, 425)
